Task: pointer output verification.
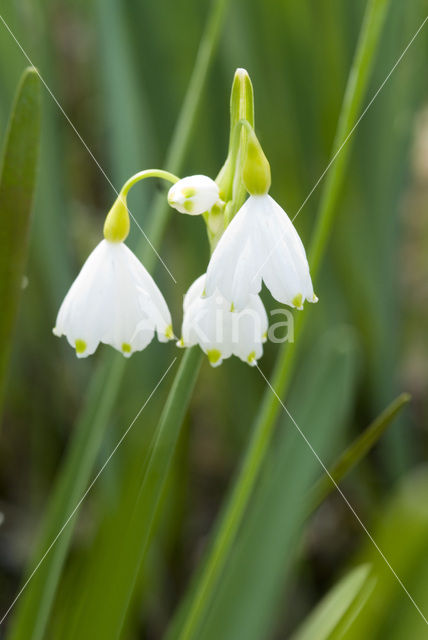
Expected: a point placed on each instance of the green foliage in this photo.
(17, 184)
(344, 599)
(358, 449)
(104, 604)
(390, 612)
(274, 521)
(265, 421)
(33, 609)
(123, 72)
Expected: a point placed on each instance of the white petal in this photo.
(196, 290)
(151, 301)
(260, 243)
(235, 262)
(113, 300)
(209, 322)
(249, 328)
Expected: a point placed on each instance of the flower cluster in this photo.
(114, 300)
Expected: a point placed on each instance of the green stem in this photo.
(34, 606)
(161, 452)
(147, 173)
(262, 434)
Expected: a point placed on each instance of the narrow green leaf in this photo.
(356, 87)
(262, 560)
(350, 593)
(125, 560)
(126, 112)
(270, 407)
(358, 449)
(17, 184)
(35, 602)
(400, 531)
(34, 607)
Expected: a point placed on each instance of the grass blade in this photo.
(17, 185)
(346, 597)
(269, 541)
(358, 449)
(104, 612)
(401, 530)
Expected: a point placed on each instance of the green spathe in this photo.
(256, 171)
(116, 225)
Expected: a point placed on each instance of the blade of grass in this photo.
(17, 185)
(358, 450)
(126, 114)
(234, 511)
(401, 530)
(269, 543)
(34, 607)
(105, 612)
(349, 594)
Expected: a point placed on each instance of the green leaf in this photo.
(17, 185)
(34, 607)
(395, 610)
(344, 599)
(263, 429)
(35, 602)
(261, 561)
(104, 603)
(358, 449)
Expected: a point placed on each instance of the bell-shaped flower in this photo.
(260, 243)
(193, 195)
(219, 331)
(114, 299)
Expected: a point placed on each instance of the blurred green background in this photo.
(120, 71)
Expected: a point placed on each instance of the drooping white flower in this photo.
(193, 195)
(220, 332)
(113, 300)
(260, 243)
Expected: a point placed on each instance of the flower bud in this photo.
(116, 225)
(193, 195)
(256, 171)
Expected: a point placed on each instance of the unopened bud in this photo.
(256, 171)
(193, 195)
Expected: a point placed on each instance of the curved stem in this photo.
(237, 504)
(147, 173)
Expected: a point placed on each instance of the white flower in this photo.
(219, 331)
(260, 243)
(113, 300)
(193, 195)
